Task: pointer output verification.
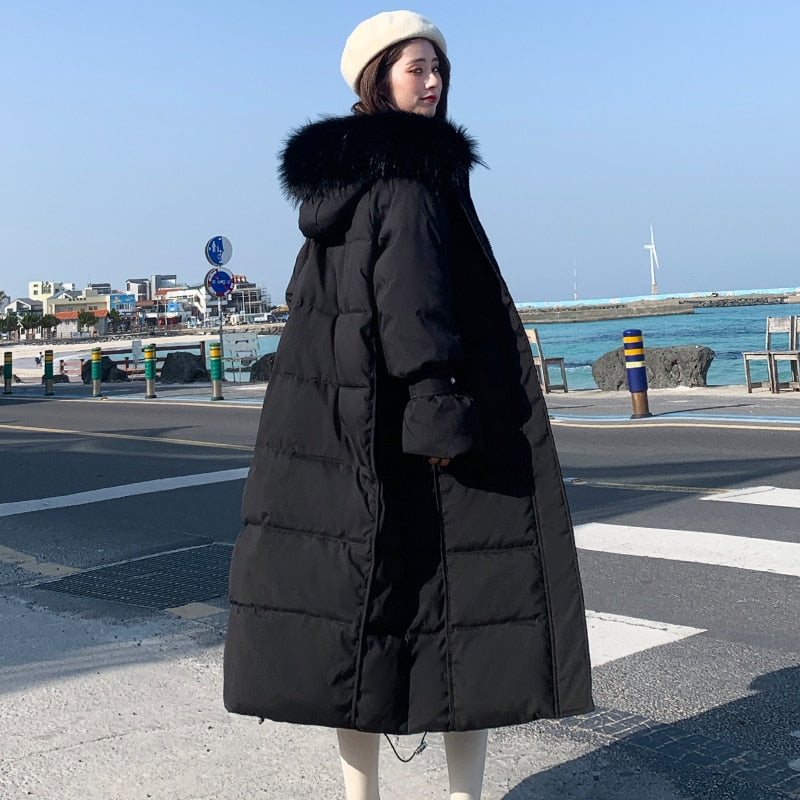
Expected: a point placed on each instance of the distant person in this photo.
(407, 562)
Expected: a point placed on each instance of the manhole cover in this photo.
(162, 581)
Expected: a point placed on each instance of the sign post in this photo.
(219, 280)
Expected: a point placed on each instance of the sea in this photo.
(727, 330)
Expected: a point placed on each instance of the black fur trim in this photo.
(327, 156)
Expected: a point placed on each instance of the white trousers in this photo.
(466, 758)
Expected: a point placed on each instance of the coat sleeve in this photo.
(414, 299)
(298, 267)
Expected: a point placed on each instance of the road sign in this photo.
(218, 251)
(219, 281)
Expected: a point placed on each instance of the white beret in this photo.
(374, 35)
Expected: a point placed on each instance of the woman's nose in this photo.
(433, 80)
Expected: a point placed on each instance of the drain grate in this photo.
(162, 581)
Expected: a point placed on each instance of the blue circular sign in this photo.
(218, 251)
(219, 282)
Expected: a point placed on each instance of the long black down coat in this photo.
(369, 589)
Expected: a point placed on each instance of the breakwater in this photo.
(596, 313)
(722, 301)
(649, 306)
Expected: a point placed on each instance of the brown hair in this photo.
(373, 83)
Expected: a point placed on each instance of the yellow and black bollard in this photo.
(636, 371)
(215, 357)
(149, 371)
(48, 373)
(97, 371)
(8, 372)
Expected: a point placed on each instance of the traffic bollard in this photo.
(48, 373)
(215, 357)
(97, 371)
(149, 371)
(8, 373)
(636, 372)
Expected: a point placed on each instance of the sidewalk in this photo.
(666, 405)
(101, 710)
(104, 702)
(680, 404)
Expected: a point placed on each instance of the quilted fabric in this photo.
(369, 589)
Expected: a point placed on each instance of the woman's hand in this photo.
(442, 462)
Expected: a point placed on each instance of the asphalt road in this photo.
(713, 712)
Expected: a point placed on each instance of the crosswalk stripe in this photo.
(741, 552)
(759, 496)
(612, 636)
(117, 492)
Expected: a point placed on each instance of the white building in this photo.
(22, 306)
(41, 290)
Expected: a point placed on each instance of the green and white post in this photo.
(48, 373)
(149, 371)
(8, 372)
(97, 371)
(215, 359)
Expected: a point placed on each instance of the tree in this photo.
(30, 321)
(9, 323)
(115, 318)
(86, 319)
(48, 322)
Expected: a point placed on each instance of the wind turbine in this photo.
(653, 262)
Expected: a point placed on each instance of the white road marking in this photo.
(117, 492)
(723, 550)
(612, 636)
(759, 496)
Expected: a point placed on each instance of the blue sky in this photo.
(135, 131)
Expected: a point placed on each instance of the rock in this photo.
(262, 369)
(111, 373)
(182, 367)
(667, 367)
(58, 378)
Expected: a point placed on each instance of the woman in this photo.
(407, 561)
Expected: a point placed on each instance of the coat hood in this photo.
(327, 165)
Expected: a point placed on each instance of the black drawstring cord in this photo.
(420, 747)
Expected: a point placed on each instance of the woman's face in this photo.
(414, 79)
